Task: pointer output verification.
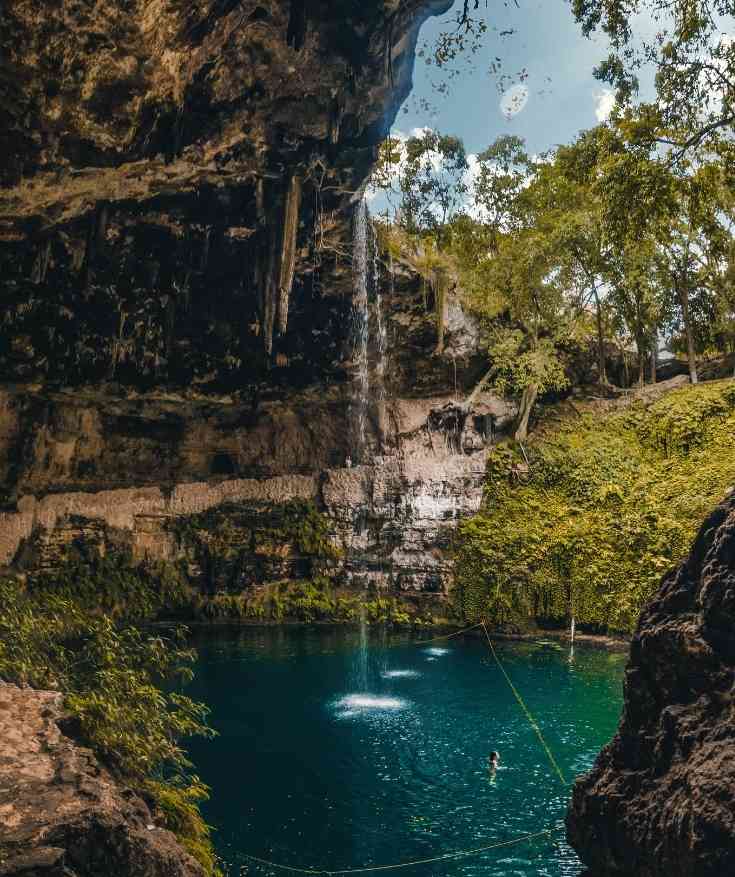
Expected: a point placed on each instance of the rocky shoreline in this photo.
(660, 799)
(62, 813)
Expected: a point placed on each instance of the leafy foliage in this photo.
(316, 600)
(113, 584)
(693, 56)
(117, 680)
(612, 501)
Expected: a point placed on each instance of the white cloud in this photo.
(604, 104)
(514, 100)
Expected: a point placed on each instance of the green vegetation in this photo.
(307, 601)
(113, 584)
(117, 680)
(599, 248)
(610, 502)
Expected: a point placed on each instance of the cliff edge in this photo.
(62, 812)
(660, 799)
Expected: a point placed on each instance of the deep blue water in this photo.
(333, 757)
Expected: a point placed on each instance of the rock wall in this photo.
(660, 800)
(392, 519)
(101, 462)
(61, 813)
(178, 179)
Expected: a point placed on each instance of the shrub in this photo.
(613, 500)
(117, 682)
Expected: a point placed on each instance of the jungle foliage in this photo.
(74, 632)
(611, 502)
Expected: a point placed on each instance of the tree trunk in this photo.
(691, 353)
(654, 356)
(530, 394)
(600, 340)
(640, 344)
(472, 398)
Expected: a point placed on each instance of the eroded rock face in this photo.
(178, 179)
(61, 813)
(78, 464)
(90, 471)
(660, 800)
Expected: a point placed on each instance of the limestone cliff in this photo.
(177, 180)
(660, 800)
(175, 252)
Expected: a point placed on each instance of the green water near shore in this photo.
(332, 756)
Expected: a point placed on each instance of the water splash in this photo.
(358, 702)
(400, 674)
(436, 652)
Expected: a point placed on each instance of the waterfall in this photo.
(366, 289)
(366, 286)
(381, 331)
(359, 331)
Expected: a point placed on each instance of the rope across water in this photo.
(455, 855)
(458, 853)
(534, 724)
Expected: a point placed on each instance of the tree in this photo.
(693, 56)
(634, 295)
(570, 214)
(523, 343)
(425, 177)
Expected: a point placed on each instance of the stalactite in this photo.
(205, 248)
(270, 289)
(335, 121)
(297, 21)
(260, 199)
(40, 266)
(288, 250)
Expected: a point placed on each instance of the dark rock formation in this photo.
(178, 178)
(99, 461)
(660, 800)
(61, 813)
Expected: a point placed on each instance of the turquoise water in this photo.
(332, 757)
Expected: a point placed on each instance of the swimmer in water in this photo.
(493, 761)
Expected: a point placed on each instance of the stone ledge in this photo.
(62, 812)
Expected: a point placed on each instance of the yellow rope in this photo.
(529, 716)
(434, 639)
(455, 855)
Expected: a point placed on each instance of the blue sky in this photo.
(563, 95)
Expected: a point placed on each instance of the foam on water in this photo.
(400, 674)
(436, 652)
(354, 704)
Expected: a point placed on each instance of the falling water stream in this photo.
(360, 331)
(366, 286)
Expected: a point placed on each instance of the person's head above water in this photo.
(494, 757)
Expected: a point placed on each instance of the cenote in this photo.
(335, 754)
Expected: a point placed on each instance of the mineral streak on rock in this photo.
(61, 813)
(660, 800)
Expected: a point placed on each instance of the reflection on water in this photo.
(311, 770)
